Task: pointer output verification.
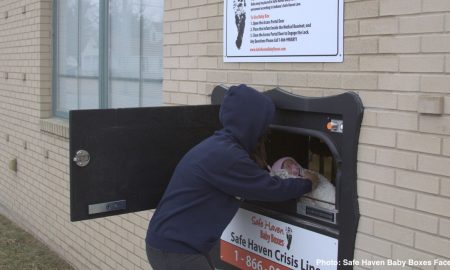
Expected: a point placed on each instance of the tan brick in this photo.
(447, 105)
(393, 195)
(366, 153)
(216, 76)
(433, 244)
(173, 62)
(445, 186)
(433, 204)
(209, 11)
(207, 62)
(376, 136)
(360, 46)
(178, 26)
(324, 80)
(188, 13)
(393, 233)
(197, 25)
(278, 66)
(434, 124)
(188, 62)
(227, 66)
(422, 24)
(179, 74)
(197, 75)
(170, 39)
(351, 63)
(418, 142)
(209, 36)
(436, 5)
(396, 158)
(399, 82)
(399, 44)
(376, 173)
(370, 118)
(397, 120)
(417, 181)
(265, 78)
(240, 77)
(171, 15)
(351, 28)
(385, 100)
(197, 49)
(444, 227)
(422, 63)
(252, 66)
(193, 3)
(354, 10)
(407, 102)
(416, 220)
(366, 189)
(365, 225)
(308, 66)
(378, 63)
(179, 98)
(180, 50)
(373, 245)
(435, 83)
(215, 23)
(376, 210)
(379, 26)
(179, 4)
(436, 43)
(359, 81)
(446, 147)
(171, 86)
(188, 38)
(362, 255)
(399, 7)
(197, 100)
(214, 50)
(405, 253)
(292, 79)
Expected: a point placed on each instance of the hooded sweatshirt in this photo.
(202, 195)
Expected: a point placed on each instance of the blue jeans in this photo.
(162, 260)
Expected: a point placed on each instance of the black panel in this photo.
(133, 153)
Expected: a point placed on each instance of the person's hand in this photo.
(311, 176)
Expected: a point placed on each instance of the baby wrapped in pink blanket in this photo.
(321, 196)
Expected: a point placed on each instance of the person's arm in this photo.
(246, 180)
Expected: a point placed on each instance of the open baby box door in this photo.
(122, 161)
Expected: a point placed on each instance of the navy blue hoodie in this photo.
(200, 199)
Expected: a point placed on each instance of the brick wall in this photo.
(397, 54)
(397, 58)
(37, 196)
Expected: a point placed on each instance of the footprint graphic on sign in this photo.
(289, 237)
(239, 16)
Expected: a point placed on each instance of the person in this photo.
(207, 186)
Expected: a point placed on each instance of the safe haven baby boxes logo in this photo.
(253, 241)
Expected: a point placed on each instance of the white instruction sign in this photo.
(283, 30)
(254, 241)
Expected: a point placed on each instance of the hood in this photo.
(246, 114)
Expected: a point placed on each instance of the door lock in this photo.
(82, 158)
